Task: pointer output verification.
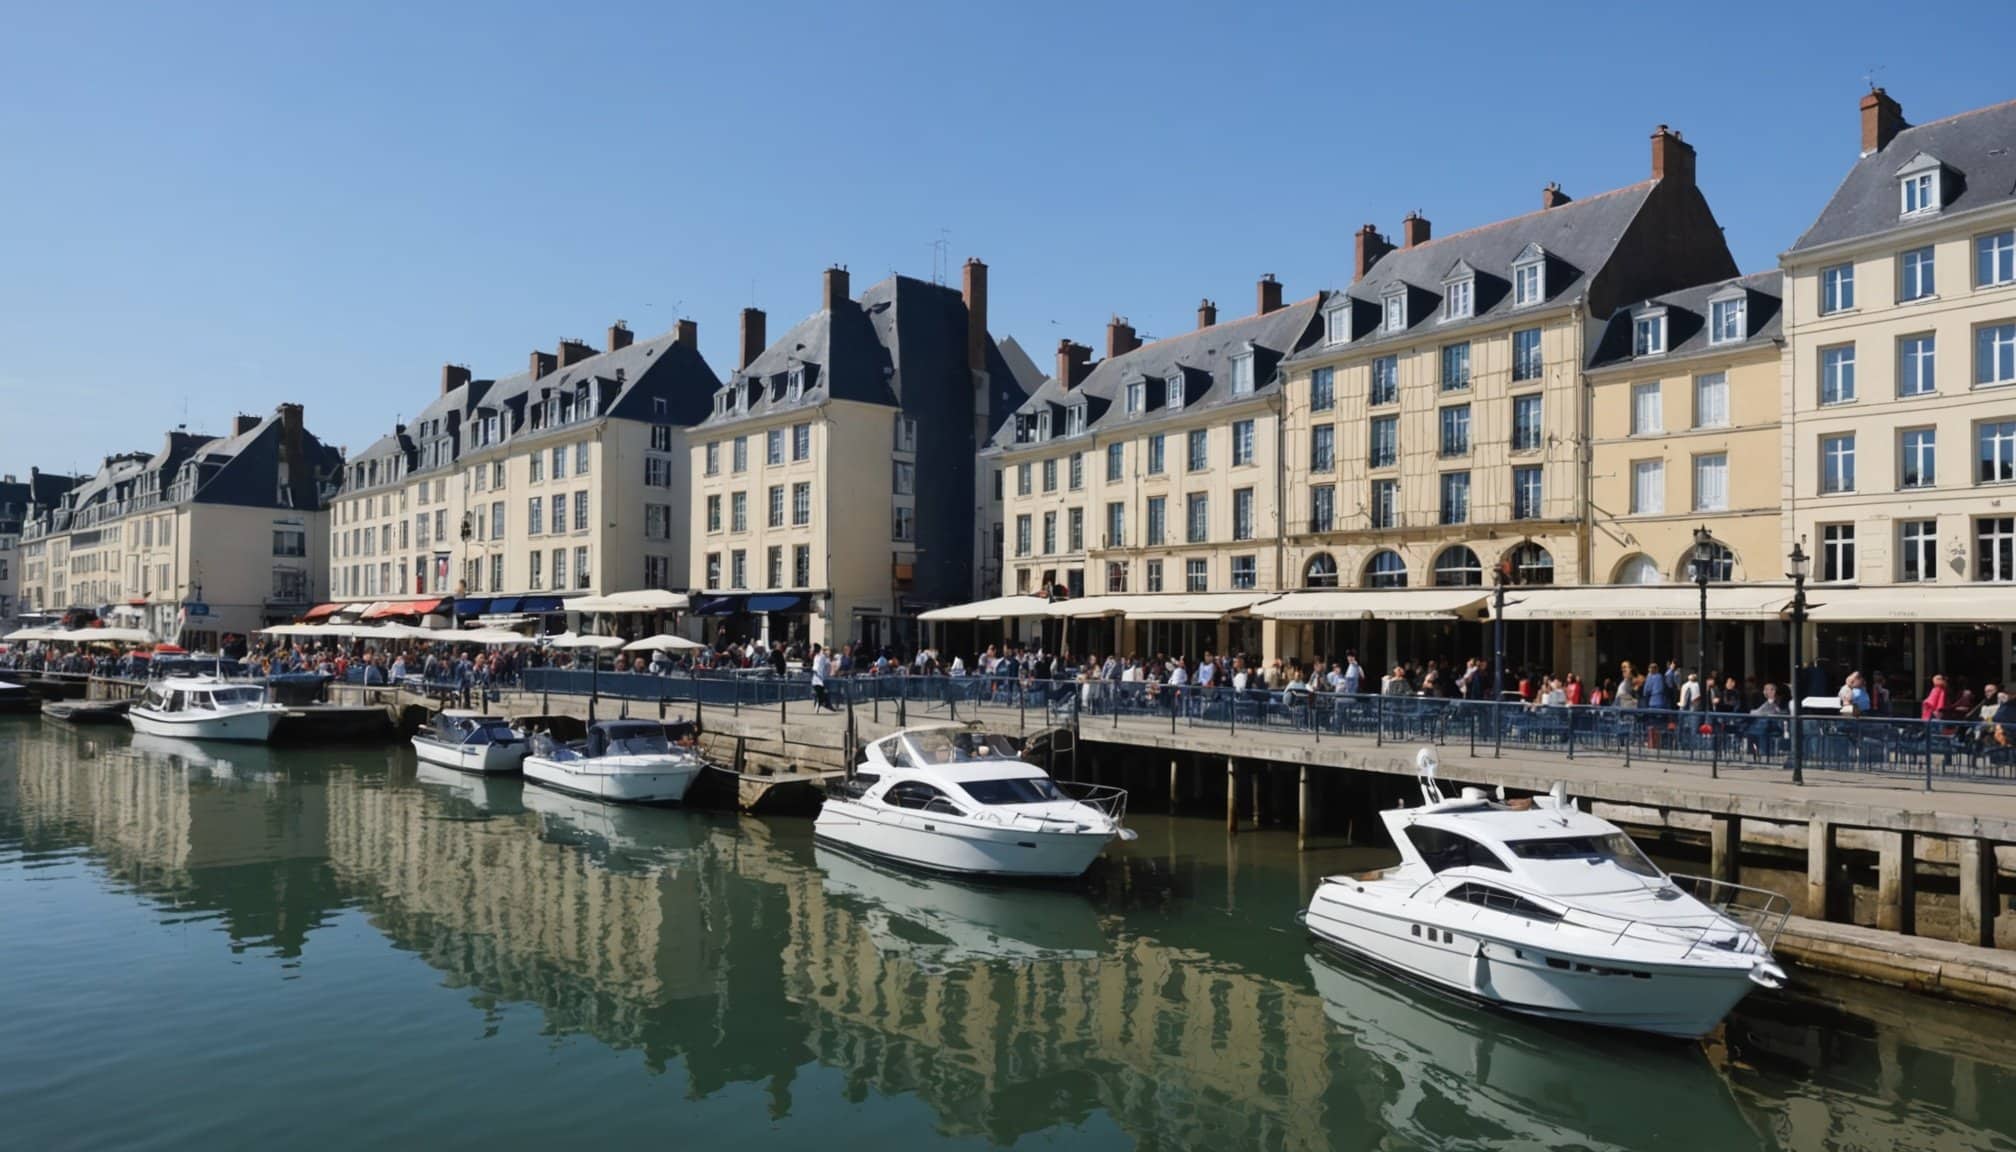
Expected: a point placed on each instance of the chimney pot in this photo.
(1672, 157)
(619, 336)
(1552, 196)
(1413, 230)
(1120, 338)
(572, 352)
(543, 363)
(686, 332)
(836, 292)
(1370, 247)
(975, 293)
(454, 376)
(1074, 362)
(753, 343)
(1207, 314)
(1882, 119)
(1267, 295)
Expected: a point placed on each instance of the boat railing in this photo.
(1735, 911)
(1104, 798)
(1760, 910)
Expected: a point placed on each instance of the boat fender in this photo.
(1480, 970)
(1767, 974)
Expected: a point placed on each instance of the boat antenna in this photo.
(1426, 761)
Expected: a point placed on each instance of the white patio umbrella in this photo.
(662, 643)
(492, 637)
(576, 640)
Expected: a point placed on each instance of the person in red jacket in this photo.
(1934, 705)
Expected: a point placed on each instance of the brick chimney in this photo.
(1882, 119)
(1552, 197)
(836, 292)
(1207, 314)
(1672, 157)
(300, 470)
(1120, 338)
(1074, 363)
(572, 352)
(241, 424)
(1267, 295)
(453, 376)
(543, 363)
(686, 333)
(753, 342)
(1413, 230)
(974, 289)
(619, 336)
(1371, 246)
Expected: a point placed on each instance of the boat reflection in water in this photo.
(221, 762)
(1519, 1083)
(946, 922)
(489, 794)
(614, 836)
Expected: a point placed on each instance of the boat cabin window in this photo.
(854, 787)
(944, 746)
(1499, 900)
(200, 702)
(1442, 850)
(896, 752)
(234, 696)
(919, 796)
(175, 701)
(1015, 790)
(627, 740)
(1616, 848)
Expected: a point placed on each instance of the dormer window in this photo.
(1728, 320)
(1337, 325)
(721, 403)
(1459, 293)
(1921, 193)
(1173, 397)
(794, 387)
(1043, 425)
(1074, 420)
(1529, 277)
(1648, 333)
(1242, 374)
(1137, 396)
(1395, 305)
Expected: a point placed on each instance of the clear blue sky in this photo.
(213, 208)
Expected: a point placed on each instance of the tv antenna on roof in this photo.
(1870, 76)
(941, 255)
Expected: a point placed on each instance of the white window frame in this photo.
(1242, 374)
(1529, 282)
(1728, 320)
(1918, 193)
(1837, 288)
(1996, 252)
(1648, 333)
(1837, 463)
(1648, 487)
(1837, 374)
(1917, 364)
(1711, 497)
(1337, 325)
(1393, 311)
(1923, 444)
(1917, 274)
(1647, 420)
(1995, 354)
(1715, 384)
(1459, 299)
(1917, 540)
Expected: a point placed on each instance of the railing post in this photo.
(1231, 707)
(1379, 720)
(1571, 731)
(1714, 739)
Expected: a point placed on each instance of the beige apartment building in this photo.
(1900, 390)
(207, 538)
(503, 495)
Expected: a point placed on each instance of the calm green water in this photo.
(231, 948)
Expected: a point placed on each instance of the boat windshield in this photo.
(237, 696)
(637, 742)
(1616, 848)
(948, 746)
(1014, 790)
(490, 732)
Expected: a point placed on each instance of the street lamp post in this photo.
(1499, 580)
(1801, 564)
(462, 561)
(1704, 558)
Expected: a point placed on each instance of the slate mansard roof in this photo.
(1687, 313)
(1976, 150)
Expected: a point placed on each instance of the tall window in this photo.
(1527, 356)
(1199, 518)
(1116, 525)
(1049, 533)
(1528, 284)
(1200, 443)
(776, 494)
(1455, 366)
(773, 447)
(1022, 534)
(1914, 274)
(1395, 307)
(1158, 509)
(1995, 354)
(1116, 462)
(1077, 471)
(1995, 548)
(1456, 430)
(801, 565)
(1242, 442)
(1385, 381)
(801, 441)
(1837, 552)
(1526, 432)
(903, 522)
(1711, 482)
(1997, 455)
(535, 574)
(1155, 453)
(738, 569)
(1116, 576)
(1196, 575)
(1526, 492)
(1455, 503)
(773, 566)
(1050, 475)
(1837, 463)
(1022, 479)
(1242, 375)
(1322, 447)
(1172, 392)
(1384, 451)
(1917, 550)
(1648, 487)
(1837, 288)
(1711, 400)
(801, 503)
(1322, 508)
(1916, 356)
(1917, 458)
(1242, 514)
(1245, 571)
(738, 462)
(559, 526)
(1995, 259)
(1322, 389)
(1646, 419)
(1837, 374)
(1726, 321)
(1386, 570)
(1136, 396)
(738, 512)
(1074, 523)
(1385, 504)
(1151, 576)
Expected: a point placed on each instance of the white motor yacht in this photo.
(960, 801)
(1540, 908)
(470, 742)
(205, 708)
(624, 760)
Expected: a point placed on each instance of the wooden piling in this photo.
(1231, 796)
(1302, 810)
(1976, 858)
(1819, 868)
(1725, 847)
(1897, 883)
(1260, 778)
(1174, 792)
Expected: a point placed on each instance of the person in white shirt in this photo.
(822, 667)
(1690, 693)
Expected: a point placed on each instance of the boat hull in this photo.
(481, 759)
(924, 840)
(1680, 1000)
(81, 713)
(251, 726)
(621, 779)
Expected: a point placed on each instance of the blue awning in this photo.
(469, 607)
(719, 606)
(539, 604)
(503, 604)
(777, 602)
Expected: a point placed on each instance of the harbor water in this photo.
(208, 946)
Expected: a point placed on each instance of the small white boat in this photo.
(1540, 908)
(629, 761)
(470, 742)
(205, 708)
(960, 801)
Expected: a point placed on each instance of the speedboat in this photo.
(205, 708)
(961, 801)
(624, 760)
(470, 742)
(1540, 908)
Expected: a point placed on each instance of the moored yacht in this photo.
(470, 742)
(205, 708)
(1540, 908)
(624, 760)
(961, 801)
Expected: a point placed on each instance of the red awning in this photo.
(321, 611)
(170, 650)
(385, 608)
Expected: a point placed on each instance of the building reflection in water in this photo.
(1163, 995)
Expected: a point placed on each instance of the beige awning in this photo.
(1162, 606)
(1376, 604)
(1914, 604)
(998, 608)
(1646, 602)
